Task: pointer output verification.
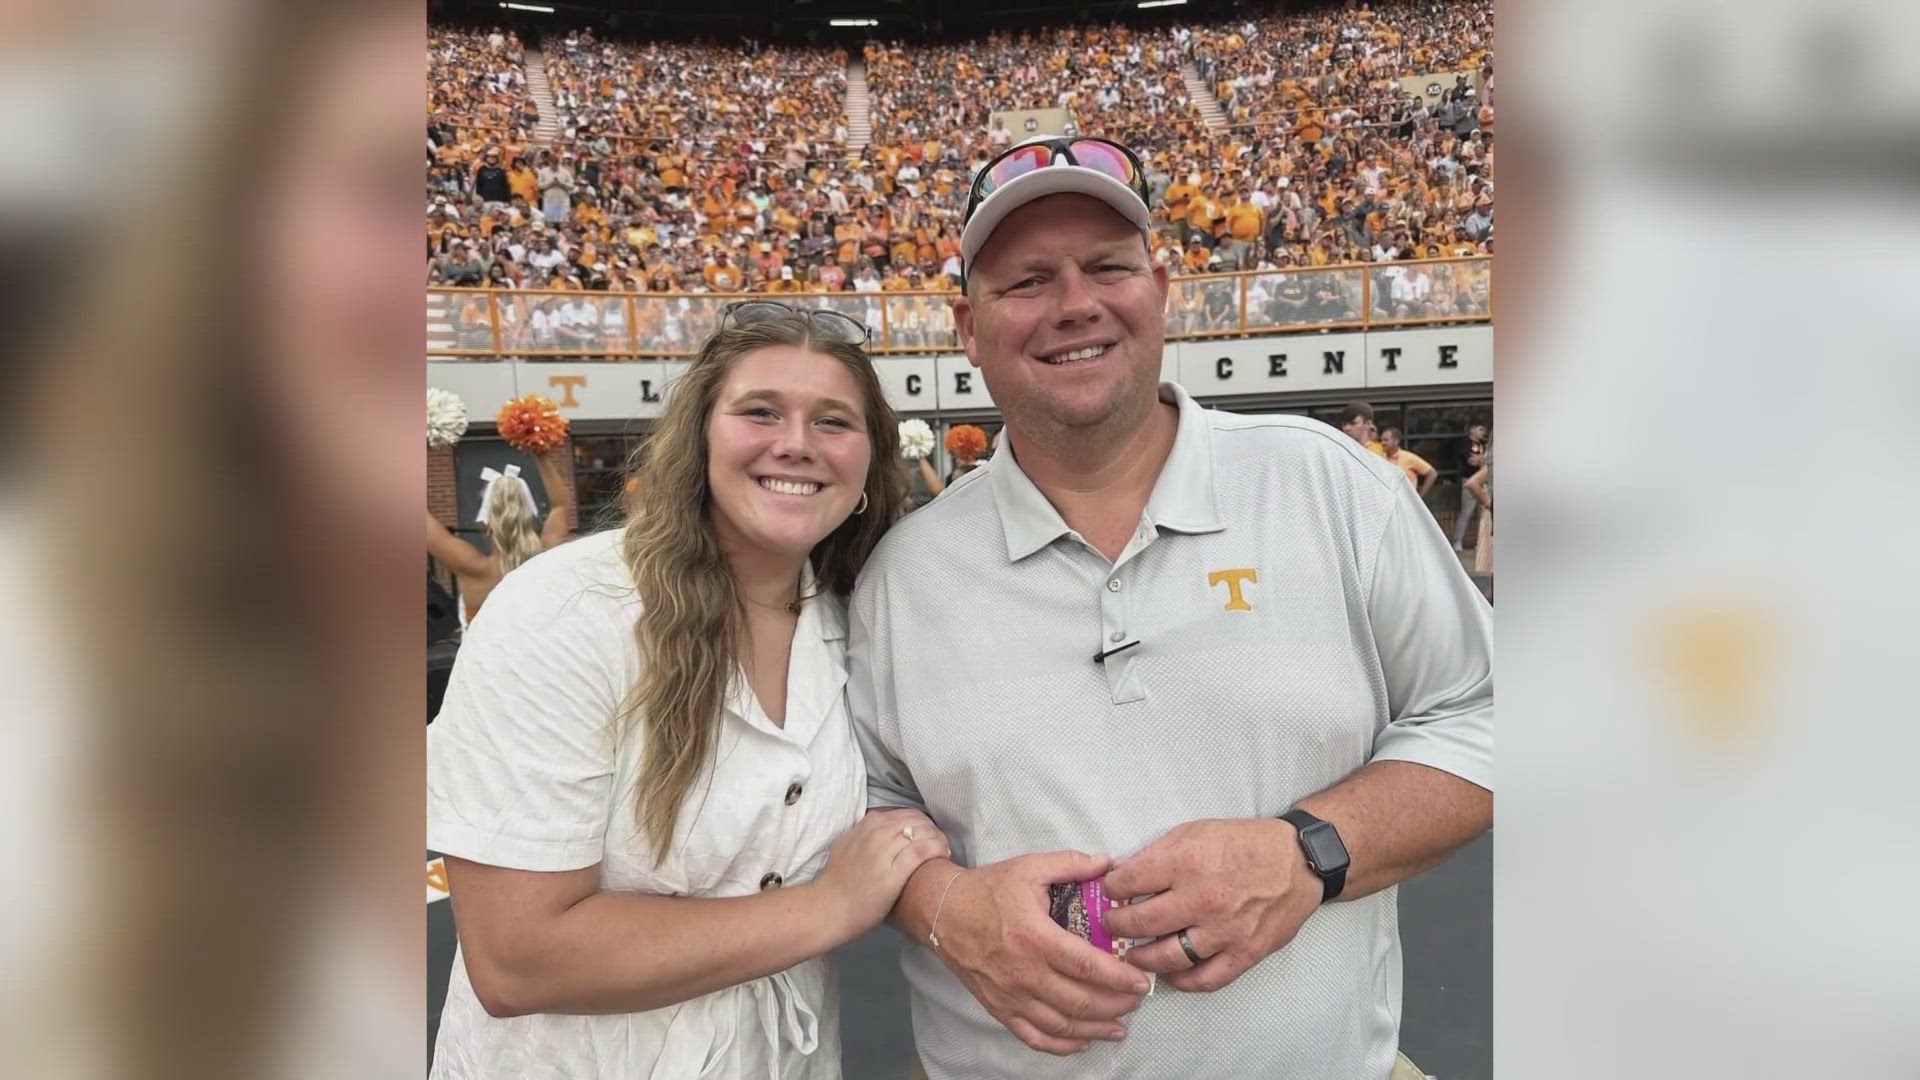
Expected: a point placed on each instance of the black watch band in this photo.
(1325, 851)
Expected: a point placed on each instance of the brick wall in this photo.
(443, 500)
(443, 491)
(573, 486)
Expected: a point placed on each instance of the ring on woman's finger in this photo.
(907, 831)
(1186, 946)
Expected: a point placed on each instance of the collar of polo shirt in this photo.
(1183, 498)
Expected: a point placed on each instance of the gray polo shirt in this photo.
(1299, 614)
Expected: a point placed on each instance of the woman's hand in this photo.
(871, 863)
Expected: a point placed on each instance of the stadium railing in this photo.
(499, 132)
(526, 324)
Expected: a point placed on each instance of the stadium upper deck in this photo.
(684, 168)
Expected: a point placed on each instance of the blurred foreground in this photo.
(1705, 864)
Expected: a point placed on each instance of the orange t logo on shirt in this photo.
(1233, 579)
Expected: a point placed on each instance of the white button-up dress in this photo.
(526, 769)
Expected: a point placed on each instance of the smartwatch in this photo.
(1325, 852)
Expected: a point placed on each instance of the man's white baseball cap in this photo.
(1060, 177)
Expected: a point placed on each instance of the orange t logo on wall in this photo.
(1233, 580)
(570, 382)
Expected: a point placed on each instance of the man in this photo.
(556, 186)
(767, 259)
(1176, 200)
(1290, 300)
(1204, 217)
(524, 184)
(544, 325)
(441, 223)
(816, 242)
(462, 267)
(546, 256)
(1357, 421)
(1479, 221)
(1411, 285)
(578, 325)
(721, 274)
(1198, 258)
(518, 212)
(490, 181)
(1221, 305)
(785, 283)
(1145, 629)
(1244, 223)
(1419, 473)
(1330, 300)
(1469, 507)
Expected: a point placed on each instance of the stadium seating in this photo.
(662, 168)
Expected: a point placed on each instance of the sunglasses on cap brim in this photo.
(1099, 155)
(829, 324)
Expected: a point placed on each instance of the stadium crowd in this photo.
(699, 169)
(607, 93)
(476, 80)
(1111, 80)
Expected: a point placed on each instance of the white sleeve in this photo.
(520, 757)
(1434, 634)
(871, 700)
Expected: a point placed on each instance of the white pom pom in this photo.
(446, 417)
(916, 439)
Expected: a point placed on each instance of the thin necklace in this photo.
(791, 607)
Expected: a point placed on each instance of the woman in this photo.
(514, 531)
(644, 777)
(500, 275)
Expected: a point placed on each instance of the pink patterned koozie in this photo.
(1081, 907)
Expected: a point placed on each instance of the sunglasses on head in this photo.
(828, 324)
(1101, 155)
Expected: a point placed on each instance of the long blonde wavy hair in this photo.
(692, 617)
(513, 522)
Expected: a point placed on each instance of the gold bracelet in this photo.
(933, 937)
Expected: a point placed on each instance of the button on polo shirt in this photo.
(1297, 613)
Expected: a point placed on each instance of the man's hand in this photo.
(1053, 990)
(1239, 888)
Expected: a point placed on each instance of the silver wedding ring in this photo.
(1186, 946)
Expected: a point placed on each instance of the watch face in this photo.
(1324, 848)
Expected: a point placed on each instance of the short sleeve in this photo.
(1434, 634)
(871, 700)
(520, 759)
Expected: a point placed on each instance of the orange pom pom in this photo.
(532, 424)
(966, 442)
